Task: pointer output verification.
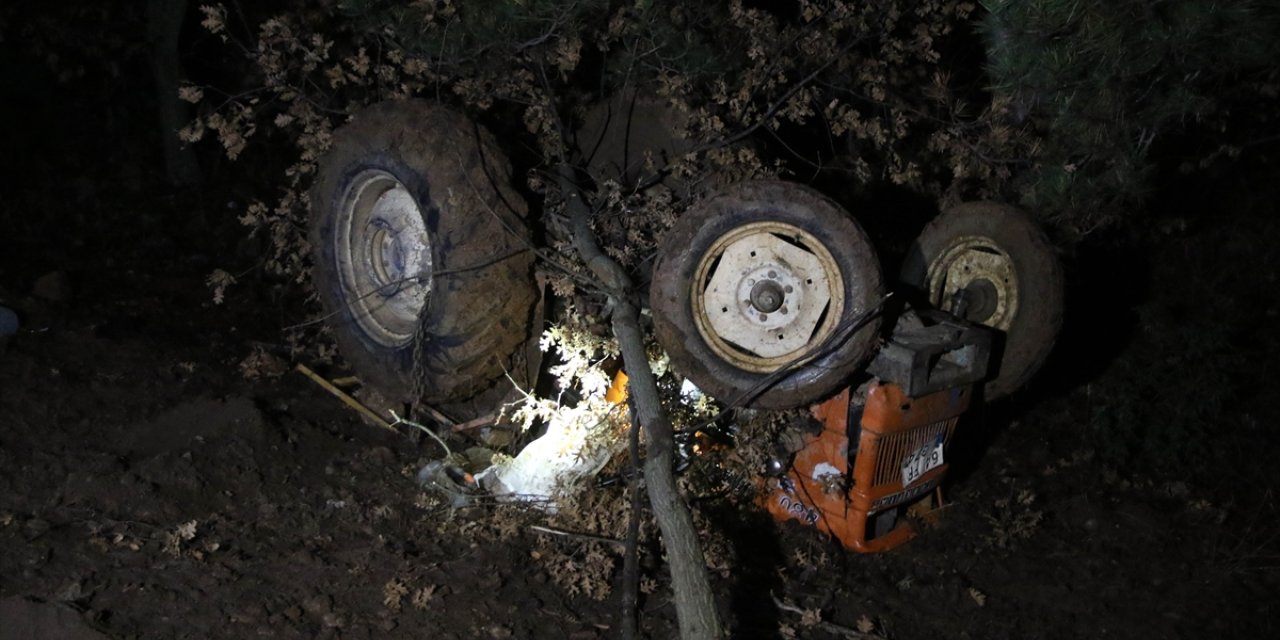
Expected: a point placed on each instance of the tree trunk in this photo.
(695, 605)
(164, 27)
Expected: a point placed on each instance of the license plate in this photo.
(922, 461)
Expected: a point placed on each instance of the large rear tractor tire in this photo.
(422, 256)
(765, 295)
(1010, 276)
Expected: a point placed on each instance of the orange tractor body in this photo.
(880, 452)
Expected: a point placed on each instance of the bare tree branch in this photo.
(695, 606)
(696, 610)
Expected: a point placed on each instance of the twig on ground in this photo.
(582, 536)
(345, 398)
(829, 627)
(435, 413)
(447, 452)
(482, 421)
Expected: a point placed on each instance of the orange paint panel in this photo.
(820, 490)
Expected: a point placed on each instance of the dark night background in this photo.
(1130, 491)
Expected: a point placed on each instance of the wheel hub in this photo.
(767, 296)
(770, 292)
(982, 300)
(384, 257)
(985, 274)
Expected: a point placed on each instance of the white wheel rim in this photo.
(765, 294)
(978, 264)
(384, 257)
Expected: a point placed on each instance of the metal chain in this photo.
(418, 372)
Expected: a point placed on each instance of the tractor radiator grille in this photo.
(895, 446)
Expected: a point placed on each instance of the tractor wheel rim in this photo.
(384, 257)
(976, 264)
(765, 294)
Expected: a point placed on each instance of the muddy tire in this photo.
(421, 252)
(1012, 276)
(757, 292)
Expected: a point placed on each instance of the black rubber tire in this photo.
(671, 295)
(1034, 326)
(481, 301)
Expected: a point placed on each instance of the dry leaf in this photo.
(186, 530)
(810, 617)
(392, 592)
(424, 596)
(978, 596)
(865, 625)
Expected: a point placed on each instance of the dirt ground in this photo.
(148, 489)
